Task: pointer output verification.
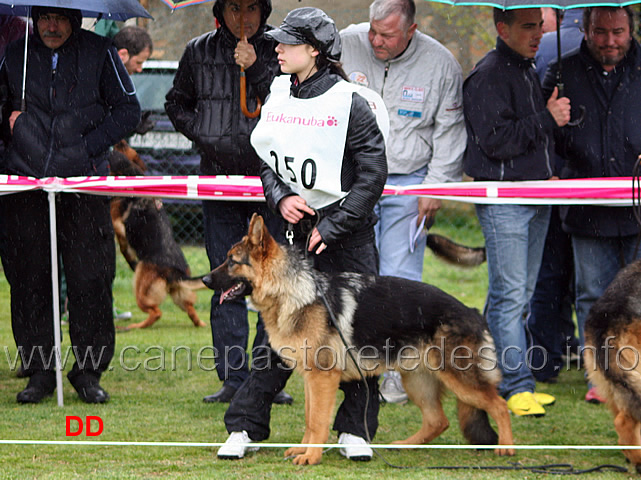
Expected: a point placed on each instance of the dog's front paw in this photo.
(295, 451)
(312, 456)
(503, 452)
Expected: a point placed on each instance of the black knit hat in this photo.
(311, 26)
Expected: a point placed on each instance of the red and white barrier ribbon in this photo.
(589, 191)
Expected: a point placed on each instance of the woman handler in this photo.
(324, 170)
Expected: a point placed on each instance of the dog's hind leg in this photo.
(474, 425)
(154, 314)
(424, 390)
(628, 429)
(150, 291)
(185, 299)
(191, 311)
(320, 398)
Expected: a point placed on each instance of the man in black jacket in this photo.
(204, 105)
(510, 128)
(603, 76)
(79, 101)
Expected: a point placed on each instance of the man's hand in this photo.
(427, 207)
(293, 208)
(12, 119)
(245, 54)
(559, 108)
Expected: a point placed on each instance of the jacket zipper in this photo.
(384, 78)
(52, 96)
(547, 140)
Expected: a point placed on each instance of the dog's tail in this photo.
(194, 283)
(455, 253)
(475, 425)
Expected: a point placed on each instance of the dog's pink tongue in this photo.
(223, 295)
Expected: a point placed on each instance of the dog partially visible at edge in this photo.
(146, 240)
(455, 253)
(380, 317)
(124, 160)
(611, 355)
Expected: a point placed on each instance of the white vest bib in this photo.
(303, 140)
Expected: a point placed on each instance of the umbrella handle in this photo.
(243, 97)
(243, 81)
(578, 121)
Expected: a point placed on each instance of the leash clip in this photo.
(289, 234)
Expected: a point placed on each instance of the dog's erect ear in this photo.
(256, 227)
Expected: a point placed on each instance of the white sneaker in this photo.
(392, 389)
(358, 449)
(236, 446)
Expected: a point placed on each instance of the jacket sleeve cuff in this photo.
(549, 124)
(256, 72)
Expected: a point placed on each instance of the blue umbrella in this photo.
(109, 9)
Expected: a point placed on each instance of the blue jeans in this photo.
(392, 230)
(514, 239)
(597, 261)
(225, 224)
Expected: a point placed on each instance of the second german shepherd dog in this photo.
(434, 340)
(146, 240)
(611, 354)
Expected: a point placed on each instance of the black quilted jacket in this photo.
(204, 102)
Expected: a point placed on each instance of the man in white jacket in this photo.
(421, 84)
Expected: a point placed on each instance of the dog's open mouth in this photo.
(234, 292)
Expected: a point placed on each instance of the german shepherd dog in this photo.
(124, 160)
(382, 319)
(146, 240)
(611, 354)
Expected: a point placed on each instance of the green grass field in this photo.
(159, 376)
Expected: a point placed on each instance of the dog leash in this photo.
(636, 199)
(289, 235)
